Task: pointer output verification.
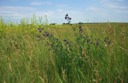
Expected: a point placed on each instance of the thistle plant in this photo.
(68, 18)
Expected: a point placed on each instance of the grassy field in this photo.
(78, 53)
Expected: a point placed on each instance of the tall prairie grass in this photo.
(86, 53)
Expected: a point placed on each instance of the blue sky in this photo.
(78, 10)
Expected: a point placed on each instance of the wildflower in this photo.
(66, 15)
(97, 43)
(80, 29)
(106, 39)
(38, 37)
(68, 18)
(40, 29)
(66, 42)
(88, 40)
(109, 42)
(91, 42)
(46, 34)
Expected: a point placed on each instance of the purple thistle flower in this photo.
(66, 42)
(88, 40)
(106, 39)
(70, 18)
(40, 29)
(97, 43)
(38, 37)
(91, 42)
(109, 42)
(46, 34)
(66, 15)
(80, 29)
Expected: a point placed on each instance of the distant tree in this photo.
(53, 24)
(63, 23)
(80, 23)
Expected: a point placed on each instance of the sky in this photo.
(55, 10)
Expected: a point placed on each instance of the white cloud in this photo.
(98, 11)
(60, 10)
(12, 12)
(16, 12)
(62, 5)
(117, 6)
(108, 11)
(56, 15)
(14, 8)
(37, 3)
(94, 9)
